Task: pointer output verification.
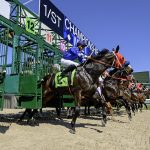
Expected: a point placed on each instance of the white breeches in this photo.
(99, 90)
(66, 63)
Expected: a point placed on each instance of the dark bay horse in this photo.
(116, 87)
(139, 97)
(84, 82)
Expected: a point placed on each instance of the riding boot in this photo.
(68, 69)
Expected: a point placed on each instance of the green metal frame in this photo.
(25, 84)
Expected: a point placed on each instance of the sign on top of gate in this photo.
(51, 16)
(59, 23)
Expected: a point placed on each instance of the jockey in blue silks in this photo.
(74, 53)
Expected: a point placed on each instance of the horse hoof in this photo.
(19, 122)
(130, 118)
(72, 131)
(69, 117)
(36, 124)
(32, 123)
(103, 123)
(60, 119)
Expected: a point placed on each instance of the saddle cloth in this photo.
(64, 81)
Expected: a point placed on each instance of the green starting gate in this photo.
(25, 56)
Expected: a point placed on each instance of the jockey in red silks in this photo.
(139, 87)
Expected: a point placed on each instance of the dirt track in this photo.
(54, 135)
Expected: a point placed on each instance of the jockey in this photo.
(101, 79)
(139, 87)
(71, 55)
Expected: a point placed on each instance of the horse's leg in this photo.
(89, 110)
(127, 107)
(85, 110)
(136, 106)
(118, 106)
(23, 115)
(58, 111)
(72, 110)
(68, 112)
(75, 116)
(133, 108)
(109, 106)
(41, 113)
(77, 111)
(104, 114)
(31, 120)
(145, 105)
(140, 106)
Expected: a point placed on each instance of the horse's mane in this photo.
(98, 56)
(46, 78)
(123, 72)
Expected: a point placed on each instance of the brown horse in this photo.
(84, 82)
(139, 97)
(116, 88)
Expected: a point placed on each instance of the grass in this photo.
(148, 107)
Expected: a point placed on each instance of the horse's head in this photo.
(146, 91)
(127, 70)
(120, 60)
(105, 57)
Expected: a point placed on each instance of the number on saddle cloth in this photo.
(64, 81)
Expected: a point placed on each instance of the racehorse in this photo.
(139, 97)
(84, 82)
(116, 88)
(142, 97)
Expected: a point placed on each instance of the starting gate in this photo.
(28, 50)
(25, 56)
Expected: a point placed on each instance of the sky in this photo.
(108, 23)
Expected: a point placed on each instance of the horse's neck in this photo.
(95, 70)
(146, 92)
(126, 83)
(119, 74)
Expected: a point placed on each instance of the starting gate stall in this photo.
(3, 58)
(29, 49)
(25, 57)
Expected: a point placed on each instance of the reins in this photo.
(123, 79)
(101, 62)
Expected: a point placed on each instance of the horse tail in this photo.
(47, 83)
